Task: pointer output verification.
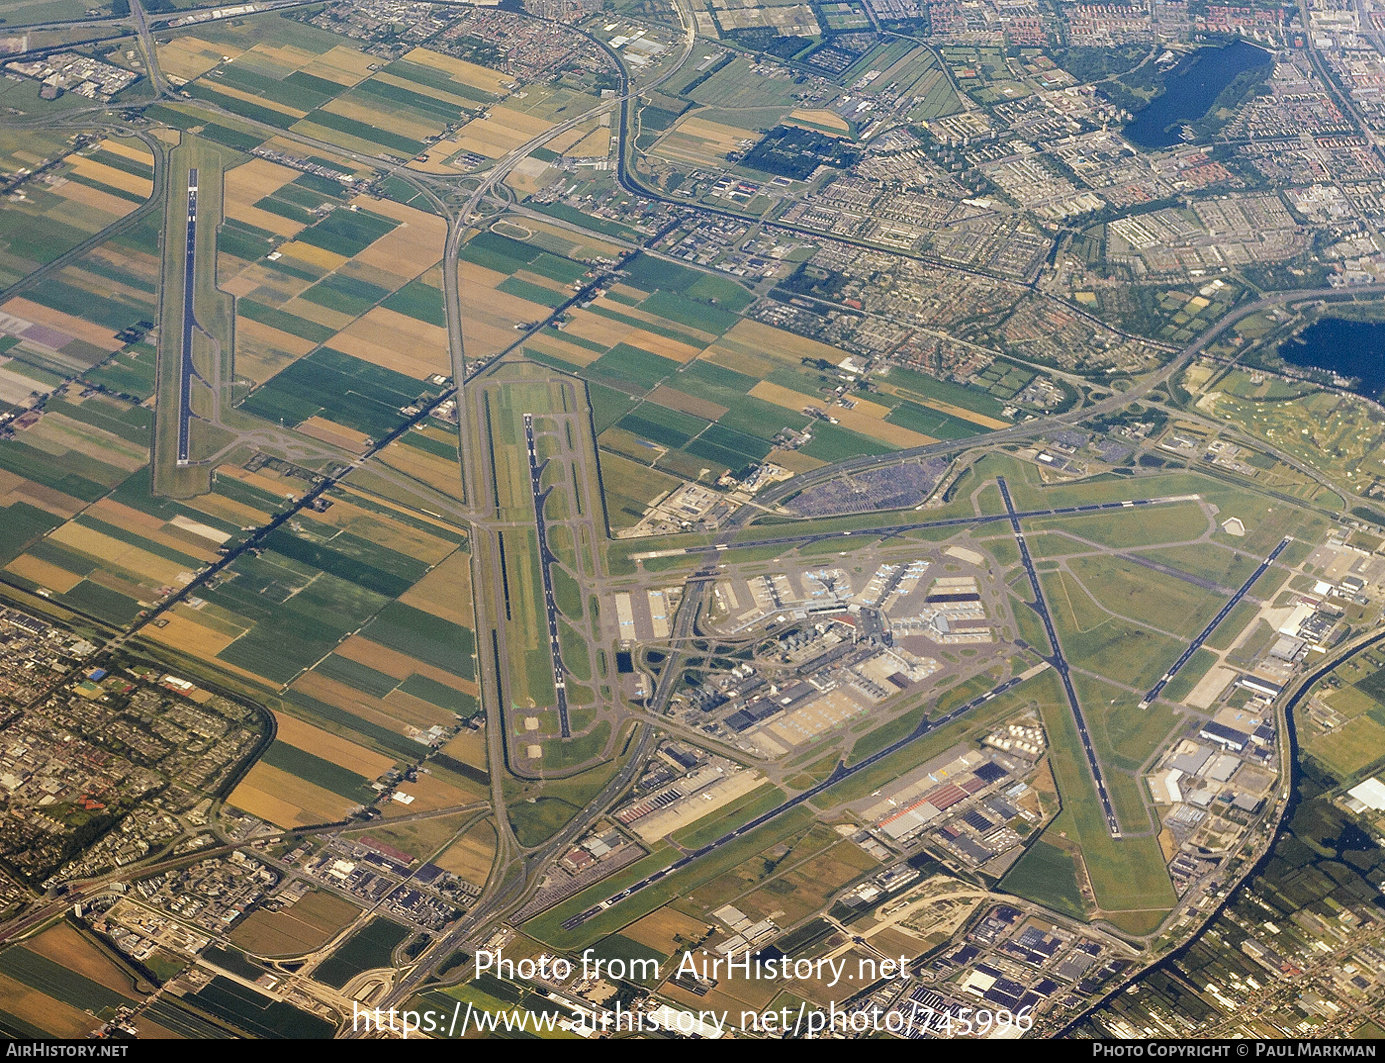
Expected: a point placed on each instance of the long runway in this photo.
(1060, 663)
(546, 559)
(1158, 687)
(185, 355)
(841, 772)
(948, 522)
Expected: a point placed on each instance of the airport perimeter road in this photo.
(1060, 663)
(1193, 646)
(185, 354)
(546, 559)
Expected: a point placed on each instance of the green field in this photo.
(1047, 876)
(370, 947)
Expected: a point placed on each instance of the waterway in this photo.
(1190, 89)
(1353, 349)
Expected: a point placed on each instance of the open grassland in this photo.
(470, 856)
(306, 925)
(1127, 876)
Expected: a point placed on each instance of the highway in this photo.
(546, 559)
(185, 354)
(1060, 662)
(840, 773)
(1193, 646)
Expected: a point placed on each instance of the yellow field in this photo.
(373, 655)
(530, 175)
(15, 488)
(868, 418)
(821, 120)
(416, 712)
(412, 514)
(43, 573)
(436, 471)
(469, 747)
(430, 793)
(122, 555)
(665, 930)
(418, 240)
(567, 139)
(265, 479)
(446, 591)
(334, 434)
(259, 101)
(962, 412)
(384, 713)
(470, 857)
(794, 460)
(162, 533)
(319, 257)
(262, 351)
(237, 513)
(191, 57)
(595, 145)
(568, 352)
(285, 55)
(587, 247)
(286, 800)
(94, 198)
(304, 926)
(331, 747)
(63, 944)
(128, 148)
(654, 319)
(488, 324)
(698, 141)
(59, 1019)
(335, 320)
(600, 329)
(246, 185)
(186, 634)
(672, 399)
(459, 70)
(397, 341)
(505, 130)
(372, 117)
(392, 535)
(342, 64)
(435, 156)
(88, 331)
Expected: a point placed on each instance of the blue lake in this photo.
(1347, 348)
(1190, 89)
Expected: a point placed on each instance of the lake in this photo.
(1347, 348)
(1190, 89)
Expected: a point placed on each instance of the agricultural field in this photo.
(295, 77)
(61, 985)
(683, 386)
(304, 926)
(77, 194)
(370, 947)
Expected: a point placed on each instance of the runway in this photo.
(185, 355)
(545, 559)
(1158, 687)
(1060, 662)
(840, 773)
